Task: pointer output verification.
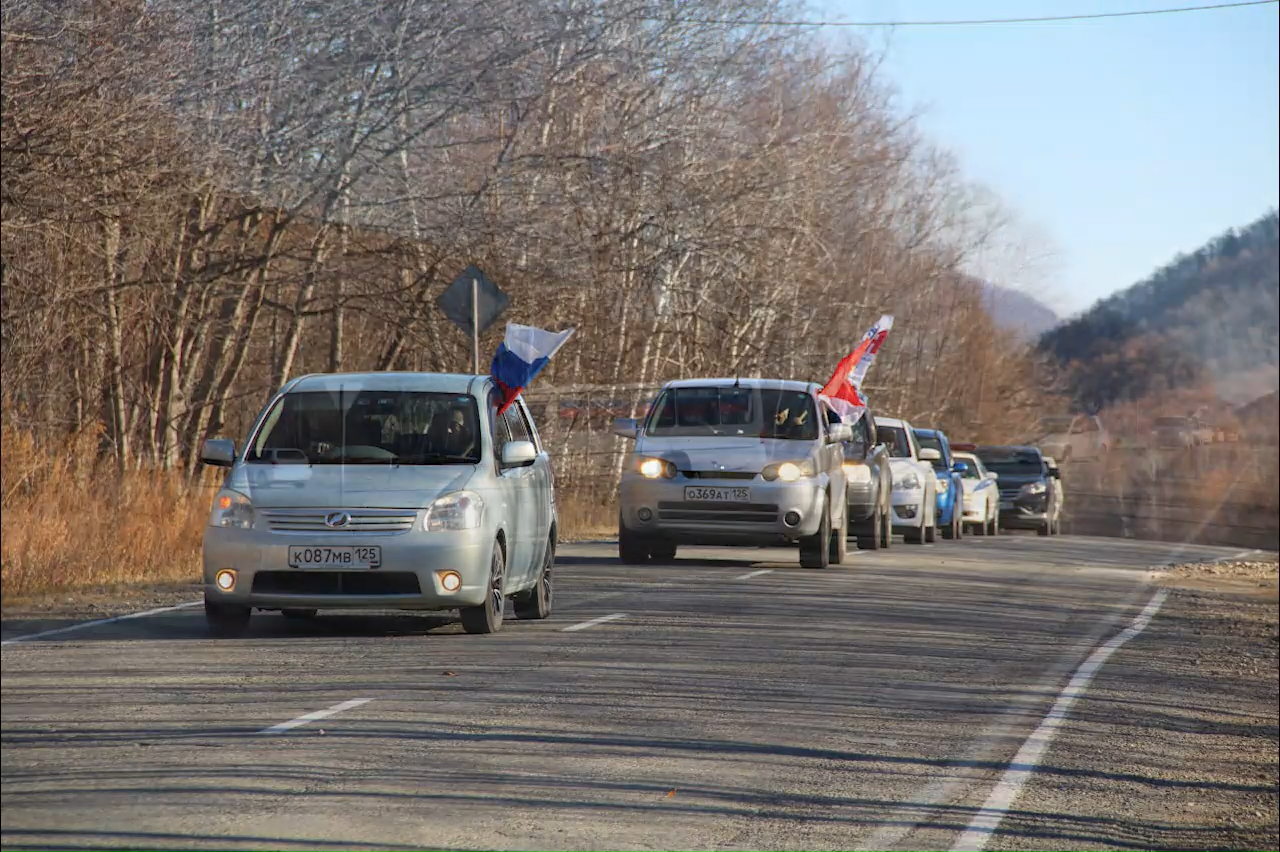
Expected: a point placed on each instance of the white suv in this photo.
(915, 483)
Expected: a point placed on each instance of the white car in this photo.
(915, 484)
(1055, 523)
(1074, 438)
(981, 496)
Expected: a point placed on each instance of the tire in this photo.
(949, 532)
(815, 550)
(871, 539)
(299, 614)
(913, 535)
(838, 547)
(1044, 528)
(662, 550)
(993, 525)
(886, 529)
(536, 602)
(931, 531)
(979, 529)
(487, 617)
(225, 621)
(632, 548)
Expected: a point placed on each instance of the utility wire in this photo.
(959, 22)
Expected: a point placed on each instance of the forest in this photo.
(1212, 313)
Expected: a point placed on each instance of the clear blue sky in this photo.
(1124, 141)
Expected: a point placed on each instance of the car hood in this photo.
(901, 467)
(300, 486)
(1010, 482)
(727, 453)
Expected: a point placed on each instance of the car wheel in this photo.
(1044, 528)
(870, 538)
(978, 529)
(225, 620)
(662, 550)
(536, 603)
(886, 529)
(839, 546)
(914, 535)
(959, 528)
(931, 531)
(815, 551)
(487, 617)
(299, 614)
(994, 523)
(949, 532)
(632, 548)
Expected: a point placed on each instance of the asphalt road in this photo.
(734, 700)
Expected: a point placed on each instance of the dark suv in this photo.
(869, 485)
(1028, 499)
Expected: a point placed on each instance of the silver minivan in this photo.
(751, 462)
(382, 491)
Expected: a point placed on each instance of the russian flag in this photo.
(522, 355)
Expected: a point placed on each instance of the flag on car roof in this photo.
(843, 392)
(521, 356)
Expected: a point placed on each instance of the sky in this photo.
(1115, 143)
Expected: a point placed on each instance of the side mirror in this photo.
(839, 433)
(519, 454)
(992, 475)
(929, 454)
(960, 468)
(626, 427)
(1053, 472)
(218, 452)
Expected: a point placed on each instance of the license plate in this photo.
(1005, 505)
(711, 494)
(322, 556)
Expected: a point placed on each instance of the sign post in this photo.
(473, 303)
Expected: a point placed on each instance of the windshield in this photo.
(363, 426)
(739, 411)
(895, 438)
(932, 442)
(1012, 462)
(975, 470)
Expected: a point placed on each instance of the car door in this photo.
(544, 487)
(524, 510)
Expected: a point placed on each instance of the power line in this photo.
(761, 22)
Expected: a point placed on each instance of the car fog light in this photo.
(451, 581)
(645, 514)
(791, 519)
(225, 579)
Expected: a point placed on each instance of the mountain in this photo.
(1212, 314)
(1018, 312)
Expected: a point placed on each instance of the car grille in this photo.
(336, 583)
(382, 521)
(726, 513)
(718, 474)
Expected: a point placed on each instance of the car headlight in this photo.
(656, 469)
(1033, 488)
(461, 510)
(231, 509)
(910, 482)
(790, 471)
(942, 485)
(859, 473)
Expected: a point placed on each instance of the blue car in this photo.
(950, 481)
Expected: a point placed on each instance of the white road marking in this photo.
(1244, 554)
(984, 824)
(755, 574)
(82, 625)
(311, 717)
(593, 622)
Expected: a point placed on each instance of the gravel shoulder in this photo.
(1176, 744)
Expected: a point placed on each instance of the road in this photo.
(733, 700)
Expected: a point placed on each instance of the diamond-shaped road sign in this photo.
(455, 301)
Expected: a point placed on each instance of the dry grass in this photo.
(71, 521)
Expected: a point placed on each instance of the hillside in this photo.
(1210, 314)
(1018, 312)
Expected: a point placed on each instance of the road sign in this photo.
(473, 303)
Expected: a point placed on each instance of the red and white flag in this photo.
(843, 392)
